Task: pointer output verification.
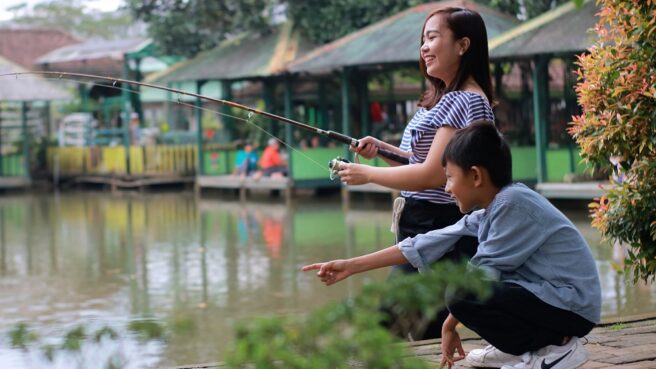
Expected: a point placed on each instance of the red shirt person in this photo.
(271, 162)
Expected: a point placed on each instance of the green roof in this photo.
(245, 57)
(561, 31)
(393, 40)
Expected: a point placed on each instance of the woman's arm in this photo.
(416, 177)
(334, 271)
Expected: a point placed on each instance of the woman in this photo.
(454, 59)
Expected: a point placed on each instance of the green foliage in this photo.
(73, 17)
(617, 91)
(337, 336)
(188, 27)
(77, 341)
(21, 336)
(617, 327)
(73, 339)
(525, 9)
(146, 329)
(325, 21)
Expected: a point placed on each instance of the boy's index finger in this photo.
(311, 267)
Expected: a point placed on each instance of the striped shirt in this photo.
(455, 109)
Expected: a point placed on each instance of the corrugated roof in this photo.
(564, 30)
(248, 56)
(24, 45)
(392, 40)
(26, 88)
(91, 50)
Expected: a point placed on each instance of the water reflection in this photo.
(195, 266)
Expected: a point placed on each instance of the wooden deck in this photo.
(7, 183)
(246, 185)
(629, 344)
(132, 182)
(571, 191)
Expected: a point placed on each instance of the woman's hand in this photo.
(354, 174)
(331, 272)
(367, 148)
(451, 345)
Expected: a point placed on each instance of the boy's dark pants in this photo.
(421, 216)
(515, 321)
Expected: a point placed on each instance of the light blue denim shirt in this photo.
(523, 239)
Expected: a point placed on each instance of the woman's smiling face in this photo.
(439, 50)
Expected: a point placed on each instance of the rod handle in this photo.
(393, 156)
(353, 142)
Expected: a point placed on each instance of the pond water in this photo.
(135, 263)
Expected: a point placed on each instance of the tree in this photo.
(617, 91)
(325, 21)
(188, 27)
(523, 9)
(73, 17)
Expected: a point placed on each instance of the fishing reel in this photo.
(333, 165)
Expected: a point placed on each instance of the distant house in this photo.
(23, 46)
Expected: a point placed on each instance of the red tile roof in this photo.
(24, 46)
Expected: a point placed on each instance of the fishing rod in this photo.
(328, 133)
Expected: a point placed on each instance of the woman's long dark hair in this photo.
(475, 61)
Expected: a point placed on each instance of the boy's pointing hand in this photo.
(330, 272)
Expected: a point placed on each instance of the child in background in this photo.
(546, 292)
(246, 161)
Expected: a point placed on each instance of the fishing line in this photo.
(252, 119)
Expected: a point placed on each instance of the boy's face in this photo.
(460, 184)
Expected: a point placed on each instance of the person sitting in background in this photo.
(271, 162)
(246, 161)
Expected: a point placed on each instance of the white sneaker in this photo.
(491, 357)
(569, 356)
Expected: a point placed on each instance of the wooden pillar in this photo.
(26, 139)
(127, 111)
(289, 108)
(540, 113)
(47, 121)
(569, 95)
(363, 93)
(84, 97)
(1, 159)
(391, 104)
(322, 121)
(289, 113)
(136, 97)
(226, 94)
(199, 128)
(169, 106)
(268, 91)
(346, 104)
(498, 79)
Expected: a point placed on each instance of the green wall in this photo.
(12, 166)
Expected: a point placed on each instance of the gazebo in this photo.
(539, 44)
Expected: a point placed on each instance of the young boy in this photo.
(547, 291)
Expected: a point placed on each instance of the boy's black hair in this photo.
(480, 144)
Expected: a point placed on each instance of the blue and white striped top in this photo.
(456, 109)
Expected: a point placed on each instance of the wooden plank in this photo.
(237, 182)
(581, 190)
(13, 182)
